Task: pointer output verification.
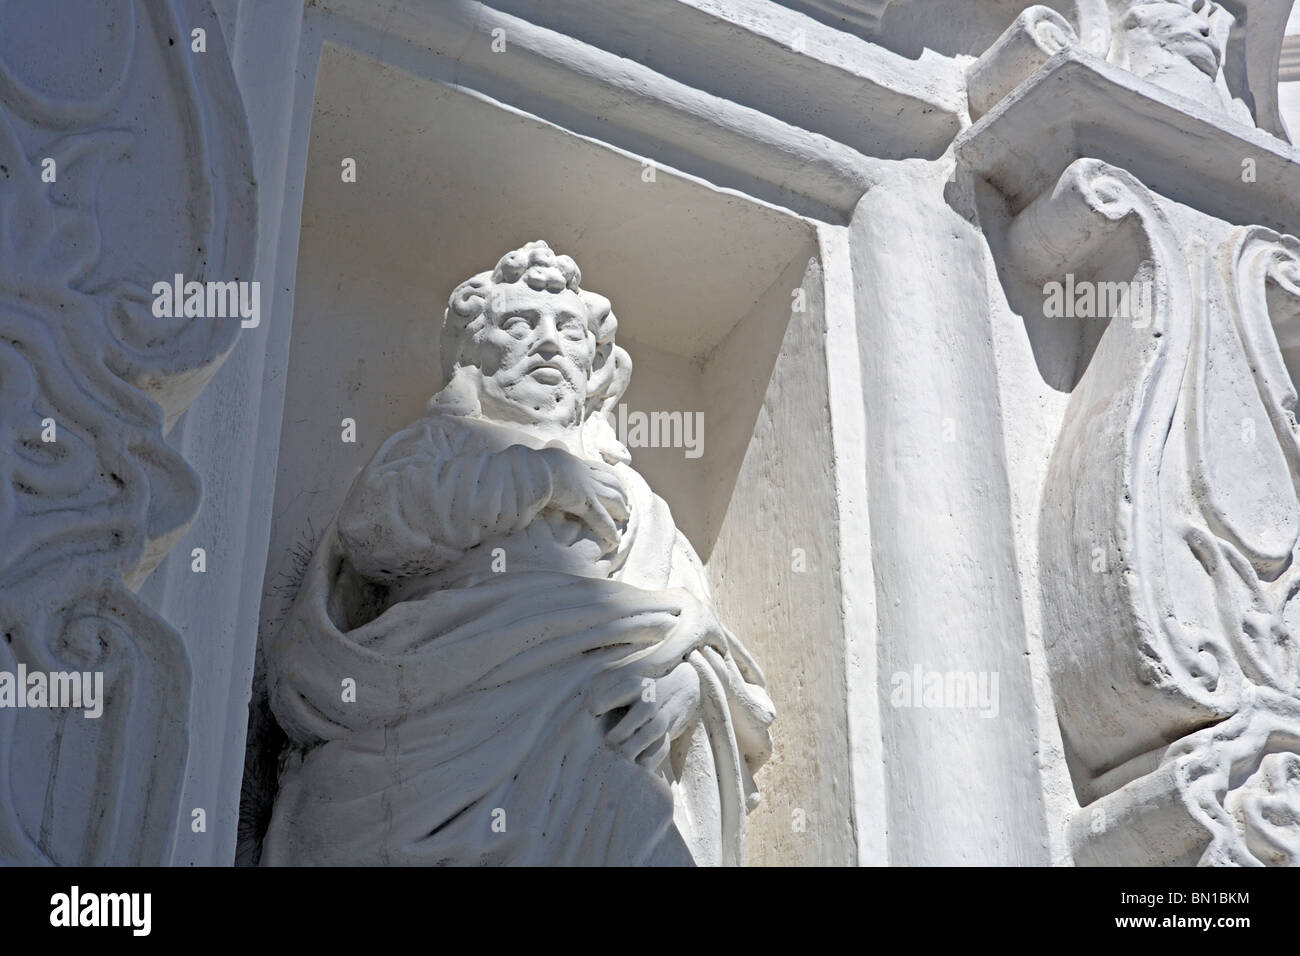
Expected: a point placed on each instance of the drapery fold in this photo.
(470, 739)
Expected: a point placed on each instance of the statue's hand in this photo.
(588, 491)
(658, 683)
(664, 710)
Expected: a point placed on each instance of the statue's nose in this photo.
(547, 341)
(1204, 9)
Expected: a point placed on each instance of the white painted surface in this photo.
(788, 145)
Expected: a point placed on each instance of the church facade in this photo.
(780, 432)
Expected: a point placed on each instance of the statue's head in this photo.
(1159, 40)
(537, 347)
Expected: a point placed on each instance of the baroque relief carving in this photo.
(1169, 532)
(1037, 34)
(504, 650)
(110, 180)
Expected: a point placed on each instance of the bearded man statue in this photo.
(1181, 45)
(503, 650)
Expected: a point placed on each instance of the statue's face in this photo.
(1187, 29)
(535, 355)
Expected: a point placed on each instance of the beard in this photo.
(552, 395)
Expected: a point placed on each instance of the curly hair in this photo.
(538, 267)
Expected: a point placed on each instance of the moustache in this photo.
(531, 364)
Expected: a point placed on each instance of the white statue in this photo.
(1180, 45)
(504, 651)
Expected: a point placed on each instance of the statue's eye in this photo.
(573, 329)
(517, 326)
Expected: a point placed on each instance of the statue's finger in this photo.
(616, 505)
(653, 758)
(602, 524)
(646, 736)
(609, 694)
(641, 711)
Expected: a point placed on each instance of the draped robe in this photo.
(474, 620)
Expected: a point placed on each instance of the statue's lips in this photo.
(547, 375)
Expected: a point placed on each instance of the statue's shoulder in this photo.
(432, 435)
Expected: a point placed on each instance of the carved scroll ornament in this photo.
(1169, 528)
(151, 177)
